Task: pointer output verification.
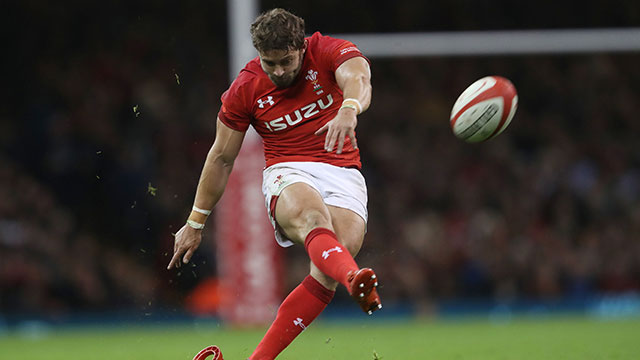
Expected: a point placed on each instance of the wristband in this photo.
(195, 225)
(201, 211)
(352, 103)
(350, 106)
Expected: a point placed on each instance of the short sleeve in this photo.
(336, 51)
(234, 112)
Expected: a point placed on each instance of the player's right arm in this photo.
(213, 180)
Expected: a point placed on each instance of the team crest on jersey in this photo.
(312, 76)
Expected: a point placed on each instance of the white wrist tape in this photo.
(201, 211)
(349, 101)
(195, 225)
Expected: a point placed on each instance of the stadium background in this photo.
(108, 111)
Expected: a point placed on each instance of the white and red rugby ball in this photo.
(484, 109)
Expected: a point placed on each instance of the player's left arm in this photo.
(354, 79)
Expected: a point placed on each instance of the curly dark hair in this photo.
(277, 29)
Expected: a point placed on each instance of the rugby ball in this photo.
(484, 109)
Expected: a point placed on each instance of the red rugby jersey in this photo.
(287, 118)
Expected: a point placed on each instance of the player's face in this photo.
(282, 66)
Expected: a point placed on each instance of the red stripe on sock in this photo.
(318, 290)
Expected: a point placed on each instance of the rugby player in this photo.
(302, 95)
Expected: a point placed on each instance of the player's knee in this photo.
(310, 219)
(353, 245)
(313, 218)
(301, 222)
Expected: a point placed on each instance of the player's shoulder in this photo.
(335, 48)
(332, 51)
(319, 41)
(250, 73)
(249, 78)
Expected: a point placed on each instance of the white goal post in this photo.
(519, 42)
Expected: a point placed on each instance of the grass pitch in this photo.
(524, 339)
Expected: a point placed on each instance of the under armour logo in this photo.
(262, 102)
(298, 322)
(326, 253)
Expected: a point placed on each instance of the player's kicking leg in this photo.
(363, 283)
(332, 235)
(305, 219)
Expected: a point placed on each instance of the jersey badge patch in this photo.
(312, 76)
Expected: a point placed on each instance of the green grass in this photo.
(552, 338)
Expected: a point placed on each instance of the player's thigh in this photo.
(299, 210)
(349, 227)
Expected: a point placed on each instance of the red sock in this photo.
(297, 311)
(331, 257)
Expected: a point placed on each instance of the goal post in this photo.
(474, 43)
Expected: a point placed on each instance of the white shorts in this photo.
(338, 186)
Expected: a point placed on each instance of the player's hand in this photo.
(187, 240)
(341, 126)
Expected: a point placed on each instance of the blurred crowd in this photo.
(50, 262)
(109, 119)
